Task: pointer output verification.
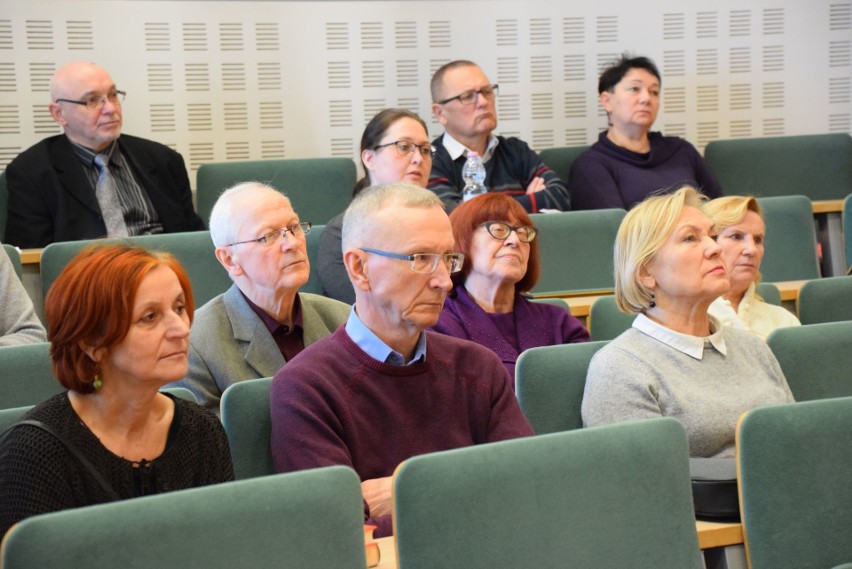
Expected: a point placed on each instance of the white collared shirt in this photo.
(456, 148)
(692, 346)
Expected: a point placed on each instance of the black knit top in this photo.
(38, 474)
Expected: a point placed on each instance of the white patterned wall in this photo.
(239, 80)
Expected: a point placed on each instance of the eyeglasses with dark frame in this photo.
(97, 102)
(501, 230)
(469, 97)
(271, 238)
(424, 262)
(407, 148)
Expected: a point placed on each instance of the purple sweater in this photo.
(530, 325)
(333, 404)
(607, 175)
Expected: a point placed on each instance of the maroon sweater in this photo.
(333, 404)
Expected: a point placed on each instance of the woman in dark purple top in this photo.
(497, 238)
(629, 162)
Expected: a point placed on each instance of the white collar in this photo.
(690, 345)
(456, 148)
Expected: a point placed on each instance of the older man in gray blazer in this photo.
(262, 321)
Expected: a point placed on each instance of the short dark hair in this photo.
(437, 83)
(613, 74)
(493, 206)
(91, 303)
(375, 131)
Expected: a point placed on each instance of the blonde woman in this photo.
(676, 360)
(739, 221)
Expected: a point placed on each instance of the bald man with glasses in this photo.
(382, 388)
(464, 102)
(92, 181)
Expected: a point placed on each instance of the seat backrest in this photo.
(193, 249)
(549, 383)
(9, 417)
(606, 321)
(27, 376)
(560, 159)
(576, 249)
(14, 258)
(4, 200)
(319, 188)
(795, 484)
(816, 166)
(246, 418)
(825, 300)
(847, 228)
(790, 239)
(815, 359)
(313, 239)
(769, 293)
(310, 519)
(613, 496)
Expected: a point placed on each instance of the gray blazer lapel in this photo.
(261, 351)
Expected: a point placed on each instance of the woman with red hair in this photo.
(497, 238)
(118, 319)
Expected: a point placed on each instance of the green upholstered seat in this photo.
(319, 188)
(816, 359)
(795, 484)
(790, 239)
(606, 321)
(549, 383)
(14, 257)
(613, 496)
(305, 520)
(816, 166)
(245, 416)
(194, 250)
(12, 415)
(560, 159)
(4, 200)
(770, 293)
(27, 375)
(576, 250)
(560, 302)
(825, 300)
(847, 229)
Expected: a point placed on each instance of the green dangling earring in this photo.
(97, 383)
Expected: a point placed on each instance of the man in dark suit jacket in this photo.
(52, 185)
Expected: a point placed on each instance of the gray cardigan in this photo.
(637, 377)
(18, 321)
(228, 342)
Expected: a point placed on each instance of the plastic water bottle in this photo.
(474, 177)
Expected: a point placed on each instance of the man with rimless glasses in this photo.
(464, 102)
(382, 388)
(92, 181)
(260, 323)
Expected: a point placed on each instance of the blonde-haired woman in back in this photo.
(739, 221)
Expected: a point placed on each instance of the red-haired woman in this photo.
(497, 238)
(119, 326)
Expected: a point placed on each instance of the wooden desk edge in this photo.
(31, 256)
(715, 534)
(827, 206)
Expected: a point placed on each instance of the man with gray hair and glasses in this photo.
(464, 102)
(92, 181)
(262, 321)
(382, 388)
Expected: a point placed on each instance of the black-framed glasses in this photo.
(97, 102)
(271, 238)
(501, 230)
(469, 97)
(407, 148)
(424, 262)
